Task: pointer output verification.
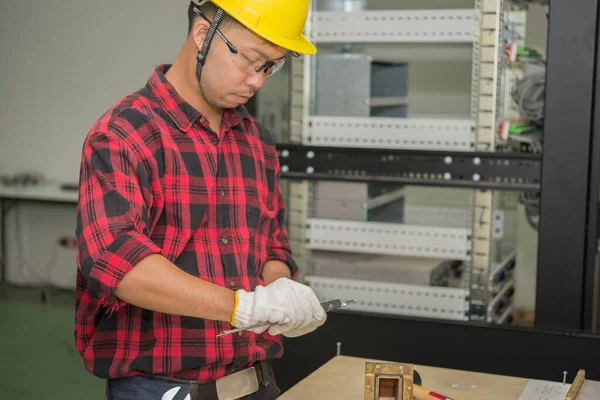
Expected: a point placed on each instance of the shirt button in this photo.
(240, 333)
(225, 241)
(231, 283)
(222, 193)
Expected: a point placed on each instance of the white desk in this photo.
(51, 193)
(44, 192)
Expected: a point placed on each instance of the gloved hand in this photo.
(285, 307)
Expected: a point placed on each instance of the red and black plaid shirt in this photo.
(156, 180)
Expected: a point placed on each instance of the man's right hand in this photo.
(284, 307)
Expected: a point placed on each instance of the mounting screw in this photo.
(378, 366)
(310, 170)
(448, 160)
(477, 161)
(447, 176)
(476, 177)
(339, 348)
(310, 155)
(368, 386)
(285, 168)
(565, 377)
(285, 153)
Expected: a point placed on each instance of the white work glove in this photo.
(285, 307)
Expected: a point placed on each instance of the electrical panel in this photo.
(396, 248)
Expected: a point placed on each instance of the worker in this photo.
(181, 219)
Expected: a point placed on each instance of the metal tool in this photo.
(327, 306)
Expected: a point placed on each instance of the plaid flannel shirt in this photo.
(155, 179)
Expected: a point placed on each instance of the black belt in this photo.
(208, 390)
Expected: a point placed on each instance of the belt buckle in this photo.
(238, 384)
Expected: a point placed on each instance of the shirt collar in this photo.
(181, 112)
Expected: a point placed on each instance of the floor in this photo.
(37, 352)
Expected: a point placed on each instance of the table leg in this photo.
(4, 208)
(2, 241)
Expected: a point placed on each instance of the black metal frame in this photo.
(569, 193)
(568, 237)
(479, 170)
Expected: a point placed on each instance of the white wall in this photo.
(64, 62)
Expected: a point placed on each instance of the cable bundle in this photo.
(529, 95)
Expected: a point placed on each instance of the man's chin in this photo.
(240, 99)
(232, 101)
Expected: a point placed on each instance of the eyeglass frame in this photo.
(233, 49)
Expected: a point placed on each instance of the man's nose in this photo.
(256, 80)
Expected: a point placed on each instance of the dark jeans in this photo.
(148, 388)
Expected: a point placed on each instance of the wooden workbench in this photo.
(343, 378)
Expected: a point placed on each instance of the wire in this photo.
(529, 95)
(531, 201)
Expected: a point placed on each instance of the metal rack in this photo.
(567, 247)
(346, 144)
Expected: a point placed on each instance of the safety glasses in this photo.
(245, 63)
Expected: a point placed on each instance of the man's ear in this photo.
(199, 32)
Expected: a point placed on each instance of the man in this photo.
(180, 222)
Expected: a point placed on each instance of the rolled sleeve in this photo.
(113, 216)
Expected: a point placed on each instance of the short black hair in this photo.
(210, 10)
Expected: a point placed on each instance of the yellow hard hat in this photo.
(280, 22)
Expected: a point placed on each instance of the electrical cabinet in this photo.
(396, 245)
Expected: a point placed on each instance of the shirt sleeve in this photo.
(279, 246)
(113, 216)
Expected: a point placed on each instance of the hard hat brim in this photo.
(300, 46)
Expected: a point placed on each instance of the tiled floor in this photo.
(38, 359)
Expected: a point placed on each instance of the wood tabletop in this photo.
(343, 378)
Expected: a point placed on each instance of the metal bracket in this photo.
(481, 170)
(395, 133)
(386, 238)
(389, 381)
(395, 298)
(396, 26)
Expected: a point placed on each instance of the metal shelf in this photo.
(344, 144)
(394, 298)
(423, 26)
(395, 133)
(386, 238)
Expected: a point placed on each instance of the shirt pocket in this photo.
(259, 220)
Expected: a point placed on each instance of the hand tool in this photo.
(327, 306)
